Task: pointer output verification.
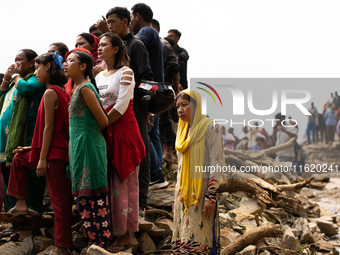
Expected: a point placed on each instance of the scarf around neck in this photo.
(192, 147)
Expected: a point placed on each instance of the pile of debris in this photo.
(260, 212)
(271, 215)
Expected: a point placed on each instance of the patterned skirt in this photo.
(193, 233)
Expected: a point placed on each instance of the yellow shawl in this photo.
(190, 182)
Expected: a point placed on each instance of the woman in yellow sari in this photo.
(199, 144)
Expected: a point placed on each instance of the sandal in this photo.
(34, 214)
(14, 211)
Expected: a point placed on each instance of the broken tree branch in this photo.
(272, 150)
(252, 237)
(295, 186)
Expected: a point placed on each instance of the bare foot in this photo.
(122, 243)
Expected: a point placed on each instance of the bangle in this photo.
(14, 75)
(6, 81)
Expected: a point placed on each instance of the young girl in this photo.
(116, 85)
(48, 152)
(87, 150)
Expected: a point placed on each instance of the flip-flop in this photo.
(124, 247)
(14, 211)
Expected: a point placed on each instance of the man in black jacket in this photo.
(118, 20)
(182, 56)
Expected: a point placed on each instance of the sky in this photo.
(224, 38)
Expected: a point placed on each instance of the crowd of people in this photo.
(322, 127)
(77, 117)
(259, 139)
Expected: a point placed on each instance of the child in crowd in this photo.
(87, 150)
(258, 144)
(48, 153)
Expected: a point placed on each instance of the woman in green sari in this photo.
(20, 95)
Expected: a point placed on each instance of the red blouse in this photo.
(59, 144)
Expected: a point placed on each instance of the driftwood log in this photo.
(252, 237)
(263, 192)
(296, 186)
(266, 194)
(272, 150)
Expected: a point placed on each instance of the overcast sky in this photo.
(243, 38)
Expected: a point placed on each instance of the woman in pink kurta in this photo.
(124, 142)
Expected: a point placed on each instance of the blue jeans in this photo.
(156, 155)
(311, 126)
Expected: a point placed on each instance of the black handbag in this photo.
(161, 93)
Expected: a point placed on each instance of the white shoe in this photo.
(158, 185)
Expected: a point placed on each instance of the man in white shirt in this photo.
(281, 135)
(331, 100)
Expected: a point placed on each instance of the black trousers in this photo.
(144, 169)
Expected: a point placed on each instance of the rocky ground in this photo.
(307, 224)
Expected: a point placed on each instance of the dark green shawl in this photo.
(17, 134)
